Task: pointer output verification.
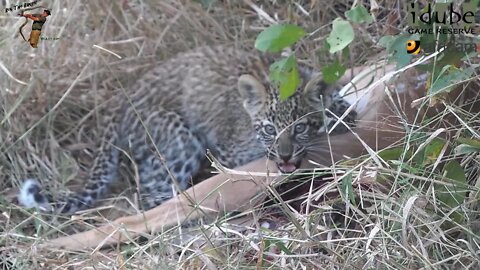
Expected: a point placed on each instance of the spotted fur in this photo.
(191, 103)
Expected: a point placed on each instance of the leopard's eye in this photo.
(300, 128)
(270, 129)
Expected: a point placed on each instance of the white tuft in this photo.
(26, 196)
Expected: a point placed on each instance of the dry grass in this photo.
(48, 128)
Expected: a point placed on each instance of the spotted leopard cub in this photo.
(211, 98)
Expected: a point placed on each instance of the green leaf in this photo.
(448, 57)
(455, 174)
(429, 153)
(278, 36)
(472, 142)
(359, 14)
(467, 146)
(333, 72)
(408, 168)
(398, 51)
(341, 36)
(393, 153)
(386, 41)
(347, 188)
(448, 77)
(277, 71)
(279, 68)
(464, 149)
(453, 196)
(432, 151)
(288, 87)
(285, 74)
(282, 247)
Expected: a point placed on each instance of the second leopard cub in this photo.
(214, 98)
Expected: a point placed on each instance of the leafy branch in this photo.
(284, 72)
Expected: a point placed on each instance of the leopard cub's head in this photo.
(286, 128)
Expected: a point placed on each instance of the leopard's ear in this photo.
(317, 93)
(307, 73)
(253, 93)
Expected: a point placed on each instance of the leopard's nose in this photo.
(285, 156)
(285, 147)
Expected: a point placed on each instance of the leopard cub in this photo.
(211, 98)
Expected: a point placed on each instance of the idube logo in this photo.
(444, 15)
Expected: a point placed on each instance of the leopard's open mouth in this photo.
(288, 167)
